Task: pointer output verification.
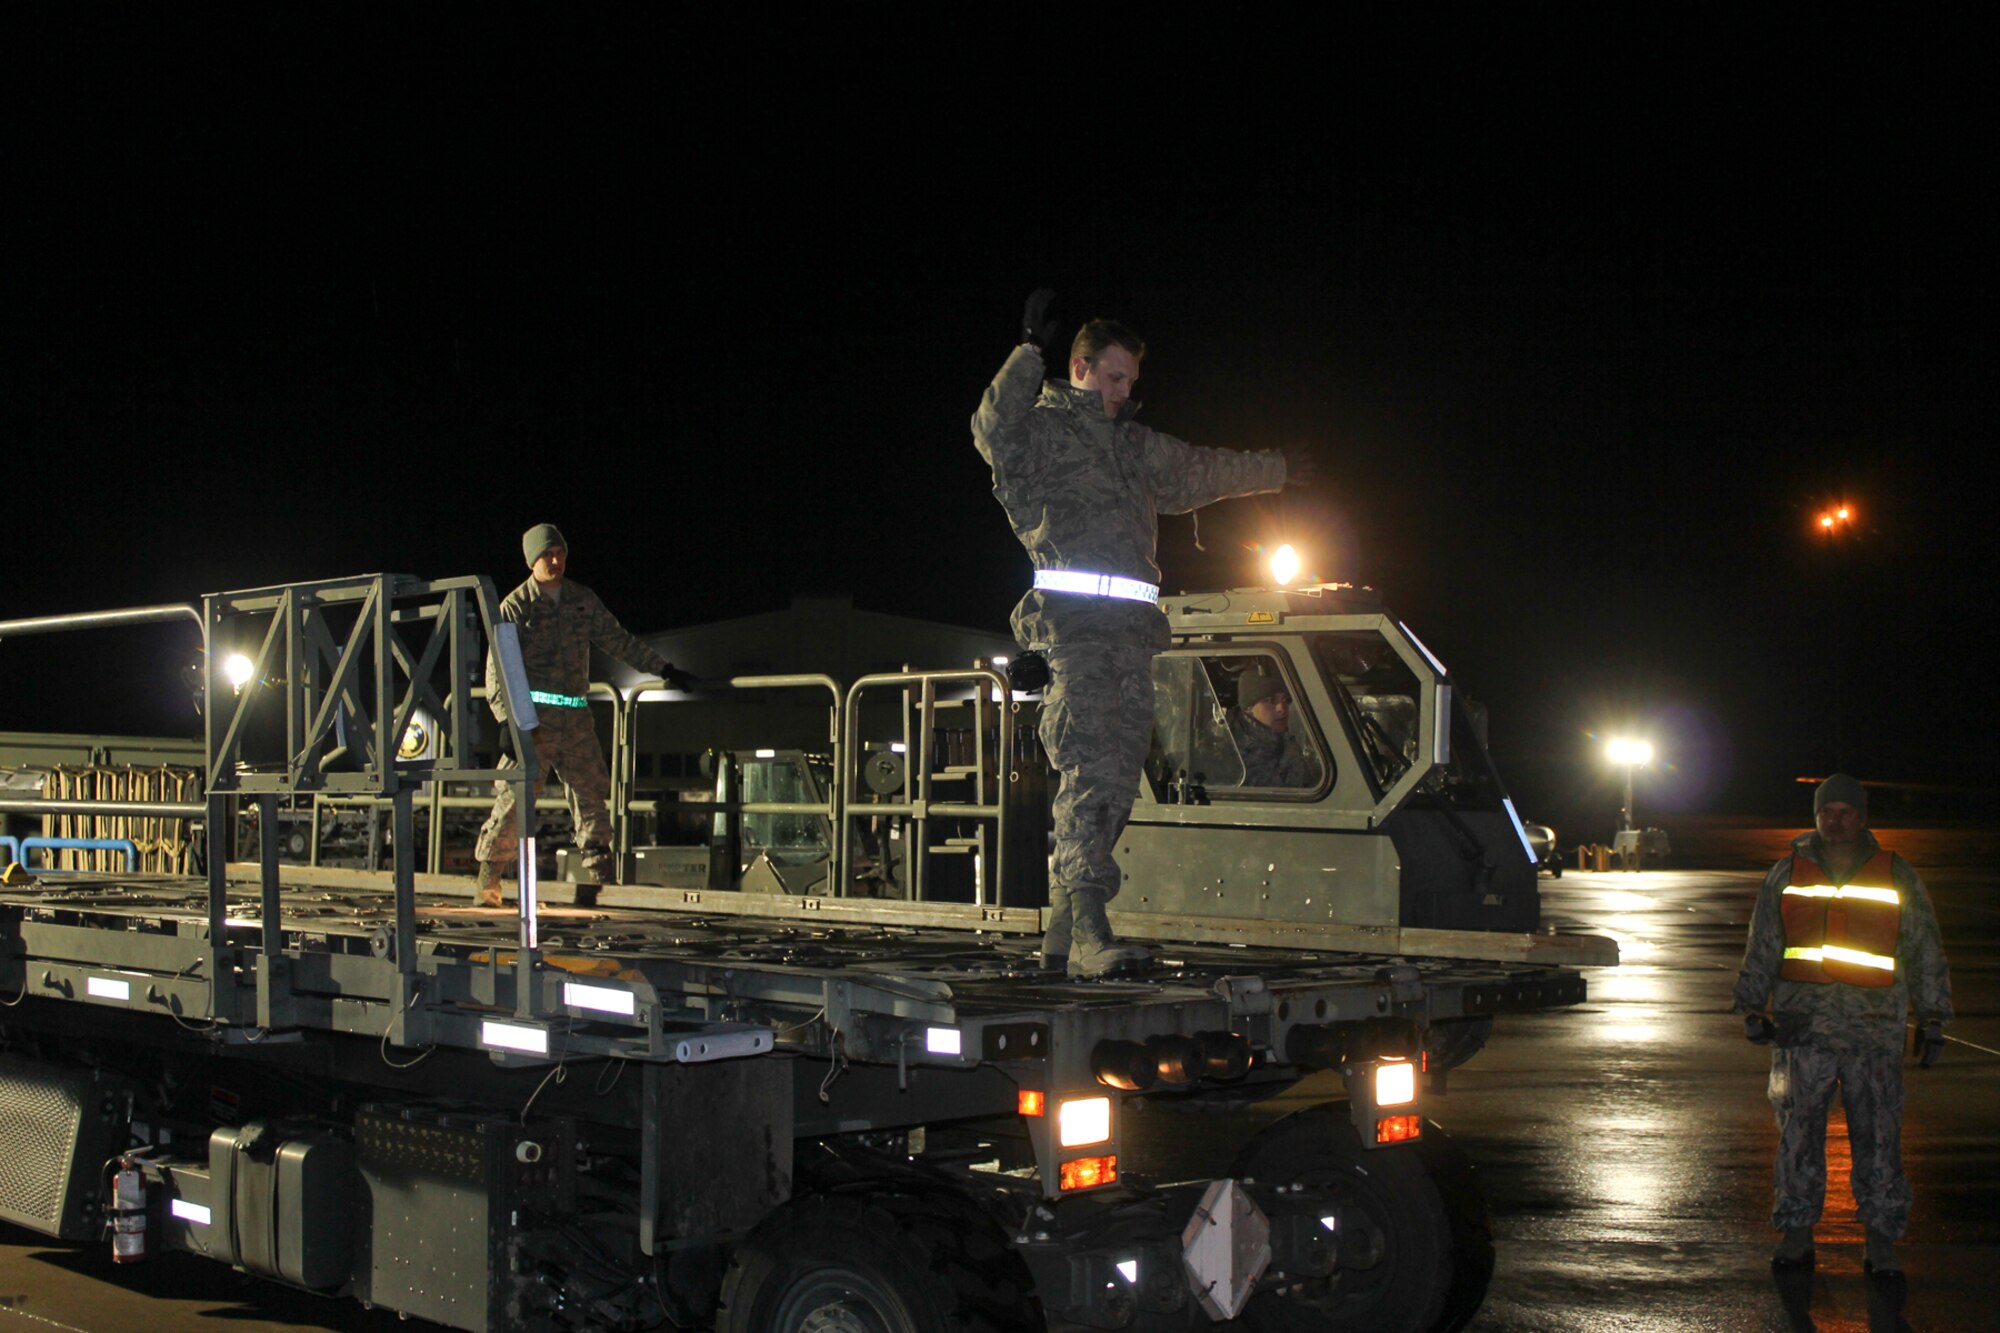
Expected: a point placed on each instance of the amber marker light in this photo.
(1031, 1102)
(1399, 1128)
(1087, 1173)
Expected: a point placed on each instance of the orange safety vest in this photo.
(1844, 932)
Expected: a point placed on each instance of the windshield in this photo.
(1379, 696)
(1381, 701)
(789, 838)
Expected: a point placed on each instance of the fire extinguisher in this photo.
(128, 1212)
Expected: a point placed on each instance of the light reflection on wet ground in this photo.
(1626, 1145)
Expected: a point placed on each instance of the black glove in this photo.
(676, 678)
(1760, 1029)
(507, 741)
(1300, 466)
(1929, 1044)
(1037, 325)
(1027, 672)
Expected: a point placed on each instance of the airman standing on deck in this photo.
(1083, 485)
(559, 620)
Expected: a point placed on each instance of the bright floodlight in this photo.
(1284, 564)
(1621, 751)
(238, 668)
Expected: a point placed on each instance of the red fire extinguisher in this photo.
(128, 1212)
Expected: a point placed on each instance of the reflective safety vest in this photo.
(1842, 932)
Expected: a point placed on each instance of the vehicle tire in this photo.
(1453, 1041)
(1419, 1207)
(892, 1263)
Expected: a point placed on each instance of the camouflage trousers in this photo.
(565, 744)
(1870, 1080)
(1097, 726)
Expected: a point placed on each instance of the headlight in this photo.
(1082, 1120)
(1395, 1083)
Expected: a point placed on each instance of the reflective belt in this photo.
(1834, 953)
(1096, 585)
(558, 700)
(1861, 891)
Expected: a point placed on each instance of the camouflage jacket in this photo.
(1833, 1013)
(1271, 758)
(1084, 492)
(556, 638)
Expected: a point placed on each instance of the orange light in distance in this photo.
(1399, 1128)
(1843, 513)
(1030, 1102)
(1826, 520)
(1087, 1173)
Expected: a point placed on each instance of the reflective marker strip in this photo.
(1834, 953)
(189, 1212)
(1096, 585)
(604, 999)
(108, 988)
(1520, 831)
(1872, 895)
(559, 700)
(513, 1037)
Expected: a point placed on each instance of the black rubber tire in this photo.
(1422, 1200)
(1453, 1041)
(891, 1263)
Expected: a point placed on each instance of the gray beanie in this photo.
(539, 539)
(1843, 788)
(1256, 686)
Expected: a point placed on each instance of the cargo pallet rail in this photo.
(711, 1108)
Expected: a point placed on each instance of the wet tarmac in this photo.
(1625, 1147)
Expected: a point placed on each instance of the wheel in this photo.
(1416, 1253)
(1451, 1042)
(892, 1263)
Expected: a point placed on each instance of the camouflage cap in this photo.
(1841, 787)
(1255, 687)
(539, 539)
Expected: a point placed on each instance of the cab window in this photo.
(1226, 722)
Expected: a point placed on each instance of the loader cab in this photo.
(1379, 809)
(773, 830)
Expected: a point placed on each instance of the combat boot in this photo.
(1795, 1250)
(1093, 950)
(1880, 1256)
(1055, 941)
(488, 892)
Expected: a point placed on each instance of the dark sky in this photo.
(1585, 314)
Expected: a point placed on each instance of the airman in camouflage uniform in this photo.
(1261, 724)
(1083, 485)
(559, 620)
(1830, 1033)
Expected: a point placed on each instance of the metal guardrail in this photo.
(131, 615)
(920, 803)
(29, 846)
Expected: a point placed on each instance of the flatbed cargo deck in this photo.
(830, 1082)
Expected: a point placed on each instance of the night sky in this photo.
(1586, 314)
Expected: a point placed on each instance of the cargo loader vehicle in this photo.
(814, 1078)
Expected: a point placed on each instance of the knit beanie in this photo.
(539, 539)
(1841, 787)
(1256, 686)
